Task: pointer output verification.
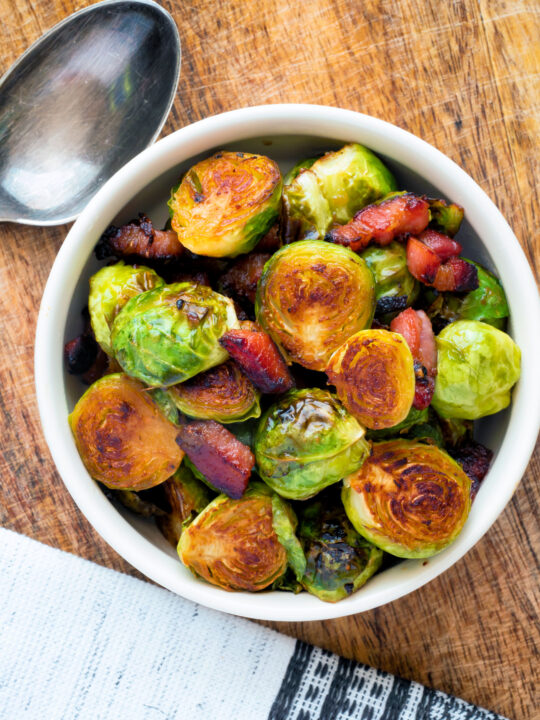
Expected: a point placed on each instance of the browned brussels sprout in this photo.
(306, 442)
(222, 393)
(122, 437)
(338, 560)
(408, 498)
(312, 296)
(226, 203)
(373, 373)
(185, 497)
(233, 543)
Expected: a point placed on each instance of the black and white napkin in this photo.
(82, 642)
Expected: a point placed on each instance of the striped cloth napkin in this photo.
(79, 641)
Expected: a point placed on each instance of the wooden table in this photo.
(463, 76)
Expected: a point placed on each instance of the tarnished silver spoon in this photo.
(84, 99)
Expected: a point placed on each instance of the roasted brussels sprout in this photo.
(110, 289)
(395, 287)
(338, 560)
(333, 188)
(222, 393)
(185, 497)
(307, 441)
(374, 376)
(122, 437)
(226, 203)
(312, 296)
(233, 543)
(445, 217)
(486, 304)
(169, 334)
(410, 499)
(477, 367)
(351, 178)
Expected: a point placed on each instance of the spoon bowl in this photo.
(84, 99)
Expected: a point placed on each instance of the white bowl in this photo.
(287, 133)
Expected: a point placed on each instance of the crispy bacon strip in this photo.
(240, 281)
(475, 460)
(259, 359)
(381, 223)
(426, 265)
(223, 460)
(415, 326)
(139, 239)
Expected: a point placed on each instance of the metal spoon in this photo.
(84, 99)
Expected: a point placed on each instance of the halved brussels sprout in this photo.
(373, 372)
(351, 178)
(233, 543)
(226, 203)
(308, 441)
(169, 334)
(486, 304)
(110, 289)
(477, 366)
(122, 437)
(392, 278)
(410, 499)
(185, 497)
(312, 296)
(338, 560)
(332, 189)
(222, 393)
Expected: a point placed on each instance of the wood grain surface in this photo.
(463, 75)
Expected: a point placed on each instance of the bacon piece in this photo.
(415, 326)
(422, 262)
(452, 275)
(475, 460)
(240, 281)
(223, 460)
(139, 239)
(80, 354)
(259, 359)
(381, 223)
(270, 242)
(445, 247)
(456, 275)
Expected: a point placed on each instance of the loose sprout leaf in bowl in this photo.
(306, 442)
(409, 498)
(226, 203)
(171, 333)
(312, 296)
